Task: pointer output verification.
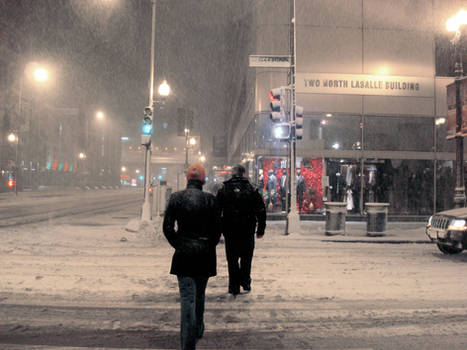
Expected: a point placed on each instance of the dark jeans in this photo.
(192, 294)
(239, 252)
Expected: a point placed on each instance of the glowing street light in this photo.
(123, 169)
(82, 155)
(35, 72)
(202, 159)
(453, 24)
(190, 142)
(100, 115)
(41, 74)
(440, 121)
(164, 89)
(12, 137)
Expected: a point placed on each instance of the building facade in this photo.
(368, 74)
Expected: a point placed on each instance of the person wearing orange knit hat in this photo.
(194, 213)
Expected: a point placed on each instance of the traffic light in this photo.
(146, 127)
(298, 122)
(11, 183)
(281, 131)
(277, 105)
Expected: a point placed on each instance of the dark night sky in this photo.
(100, 52)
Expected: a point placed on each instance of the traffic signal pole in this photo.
(293, 217)
(146, 212)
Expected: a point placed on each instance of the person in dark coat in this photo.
(194, 261)
(242, 214)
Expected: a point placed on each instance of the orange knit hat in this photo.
(196, 172)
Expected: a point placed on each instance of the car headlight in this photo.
(457, 224)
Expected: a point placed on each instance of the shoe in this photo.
(200, 332)
(246, 287)
(234, 291)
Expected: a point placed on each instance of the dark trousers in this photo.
(192, 295)
(239, 252)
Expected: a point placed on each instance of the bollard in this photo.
(335, 218)
(377, 218)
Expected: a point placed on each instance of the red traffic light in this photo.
(150, 190)
(275, 94)
(11, 183)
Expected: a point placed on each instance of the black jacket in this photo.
(198, 232)
(242, 208)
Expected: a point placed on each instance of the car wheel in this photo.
(448, 249)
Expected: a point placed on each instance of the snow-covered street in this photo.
(87, 275)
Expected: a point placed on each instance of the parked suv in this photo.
(448, 229)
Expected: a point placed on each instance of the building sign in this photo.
(269, 61)
(451, 100)
(363, 84)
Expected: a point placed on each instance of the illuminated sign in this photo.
(364, 84)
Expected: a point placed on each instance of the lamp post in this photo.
(293, 217)
(189, 143)
(100, 119)
(38, 74)
(454, 24)
(164, 91)
(12, 137)
(81, 168)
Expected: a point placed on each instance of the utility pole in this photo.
(459, 191)
(146, 213)
(293, 218)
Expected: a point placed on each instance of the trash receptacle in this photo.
(335, 218)
(377, 218)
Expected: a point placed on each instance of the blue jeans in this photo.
(192, 295)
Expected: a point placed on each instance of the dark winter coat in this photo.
(198, 231)
(242, 208)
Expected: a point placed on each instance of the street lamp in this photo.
(454, 24)
(189, 143)
(33, 71)
(41, 74)
(164, 89)
(12, 137)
